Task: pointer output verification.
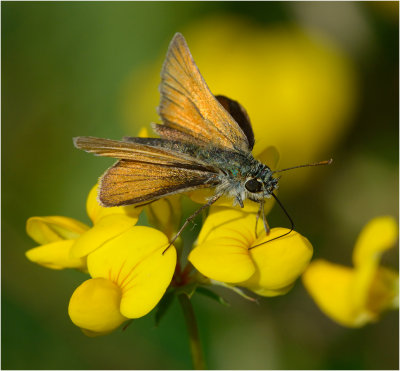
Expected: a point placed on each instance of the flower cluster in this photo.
(128, 271)
(130, 267)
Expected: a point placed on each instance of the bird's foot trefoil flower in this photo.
(225, 253)
(130, 274)
(65, 242)
(356, 296)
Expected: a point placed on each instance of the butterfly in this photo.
(205, 141)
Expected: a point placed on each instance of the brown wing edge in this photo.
(239, 114)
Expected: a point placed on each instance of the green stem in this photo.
(195, 345)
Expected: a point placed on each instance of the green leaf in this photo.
(212, 295)
(235, 289)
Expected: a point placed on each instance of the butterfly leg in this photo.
(266, 226)
(282, 235)
(191, 217)
(239, 200)
(258, 217)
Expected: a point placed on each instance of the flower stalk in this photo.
(194, 338)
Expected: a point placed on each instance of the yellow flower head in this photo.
(224, 253)
(358, 295)
(65, 242)
(129, 274)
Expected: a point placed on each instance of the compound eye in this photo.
(253, 185)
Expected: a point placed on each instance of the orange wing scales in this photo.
(188, 105)
(129, 182)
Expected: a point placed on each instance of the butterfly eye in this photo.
(253, 185)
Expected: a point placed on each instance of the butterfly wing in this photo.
(130, 182)
(187, 104)
(145, 173)
(240, 115)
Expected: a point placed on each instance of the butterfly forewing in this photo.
(130, 182)
(188, 105)
(145, 173)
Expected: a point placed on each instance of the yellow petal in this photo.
(94, 306)
(384, 291)
(165, 214)
(271, 293)
(135, 262)
(268, 156)
(56, 255)
(374, 289)
(230, 222)
(46, 229)
(222, 251)
(223, 259)
(149, 283)
(379, 235)
(331, 287)
(107, 228)
(278, 263)
(96, 212)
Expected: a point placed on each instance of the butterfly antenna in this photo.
(282, 235)
(328, 162)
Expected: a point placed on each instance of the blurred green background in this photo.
(82, 68)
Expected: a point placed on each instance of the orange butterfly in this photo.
(205, 142)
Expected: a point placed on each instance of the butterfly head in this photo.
(261, 185)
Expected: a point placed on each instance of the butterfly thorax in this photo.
(240, 175)
(235, 173)
(243, 176)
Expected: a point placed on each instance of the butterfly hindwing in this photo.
(240, 115)
(130, 182)
(146, 171)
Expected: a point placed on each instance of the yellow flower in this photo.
(56, 235)
(224, 253)
(356, 296)
(129, 274)
(298, 87)
(165, 214)
(65, 242)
